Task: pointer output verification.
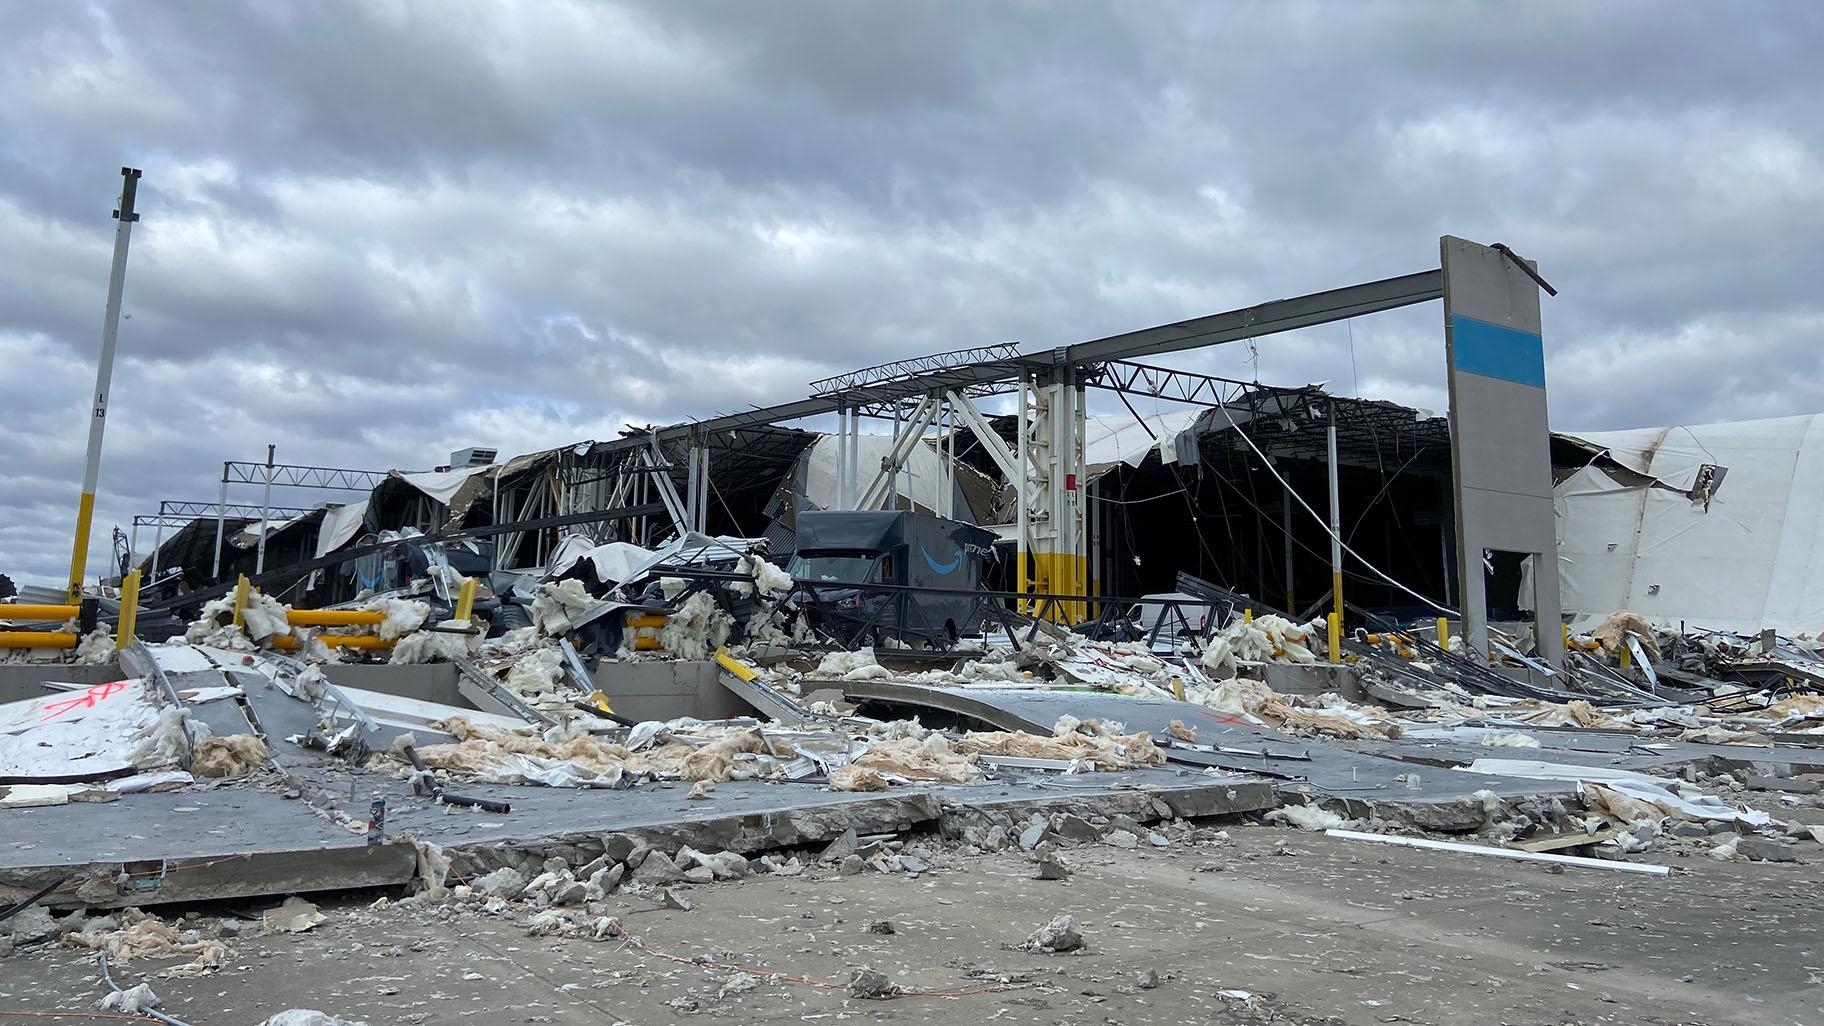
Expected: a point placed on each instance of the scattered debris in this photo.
(1056, 937)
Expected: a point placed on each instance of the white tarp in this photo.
(339, 526)
(1122, 439)
(1752, 558)
(441, 484)
(921, 479)
(249, 536)
(614, 561)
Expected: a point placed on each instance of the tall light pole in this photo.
(104, 373)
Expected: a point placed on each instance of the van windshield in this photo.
(852, 569)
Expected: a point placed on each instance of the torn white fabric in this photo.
(339, 527)
(441, 485)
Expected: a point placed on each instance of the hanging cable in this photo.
(1322, 521)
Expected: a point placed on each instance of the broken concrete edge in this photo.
(992, 824)
(989, 824)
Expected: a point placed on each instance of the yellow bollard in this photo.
(129, 611)
(465, 600)
(1443, 634)
(1178, 689)
(1247, 616)
(1336, 637)
(241, 588)
(1627, 655)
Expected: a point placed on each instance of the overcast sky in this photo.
(374, 232)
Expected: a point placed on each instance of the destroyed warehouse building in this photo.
(1002, 672)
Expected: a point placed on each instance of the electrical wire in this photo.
(1322, 522)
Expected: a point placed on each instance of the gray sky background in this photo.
(377, 231)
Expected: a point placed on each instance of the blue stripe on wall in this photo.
(1494, 351)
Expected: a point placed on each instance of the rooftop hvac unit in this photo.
(473, 456)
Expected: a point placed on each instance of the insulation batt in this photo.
(96, 649)
(554, 604)
(1307, 817)
(1613, 632)
(857, 665)
(768, 579)
(486, 753)
(1106, 752)
(1253, 698)
(536, 673)
(696, 629)
(232, 755)
(403, 616)
(434, 646)
(307, 1017)
(929, 758)
(147, 936)
(134, 1000)
(1268, 639)
(262, 618)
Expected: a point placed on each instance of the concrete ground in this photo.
(1271, 926)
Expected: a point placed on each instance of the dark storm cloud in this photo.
(375, 232)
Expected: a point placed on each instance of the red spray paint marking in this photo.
(86, 700)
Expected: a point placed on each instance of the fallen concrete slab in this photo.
(1299, 766)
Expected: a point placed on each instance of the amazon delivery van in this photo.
(895, 547)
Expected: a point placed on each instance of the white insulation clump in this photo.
(96, 647)
(263, 618)
(307, 1017)
(555, 604)
(537, 673)
(135, 1000)
(768, 578)
(435, 646)
(1307, 817)
(403, 616)
(696, 629)
(1269, 638)
(857, 665)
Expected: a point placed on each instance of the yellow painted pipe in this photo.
(639, 620)
(735, 666)
(38, 639)
(368, 641)
(1627, 655)
(1443, 634)
(129, 611)
(85, 512)
(1335, 623)
(21, 611)
(465, 600)
(241, 588)
(334, 617)
(645, 644)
